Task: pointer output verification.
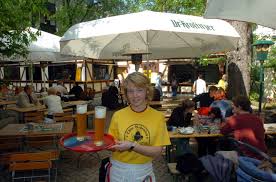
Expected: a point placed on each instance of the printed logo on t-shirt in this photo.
(137, 133)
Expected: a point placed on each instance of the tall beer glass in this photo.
(99, 122)
(81, 121)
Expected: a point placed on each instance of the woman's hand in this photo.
(121, 146)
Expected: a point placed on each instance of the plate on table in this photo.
(186, 130)
(71, 142)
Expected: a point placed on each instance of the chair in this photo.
(22, 162)
(34, 116)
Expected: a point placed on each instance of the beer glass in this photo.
(81, 121)
(99, 122)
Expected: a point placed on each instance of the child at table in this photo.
(215, 115)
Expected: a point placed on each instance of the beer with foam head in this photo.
(81, 121)
(99, 122)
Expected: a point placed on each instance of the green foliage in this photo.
(254, 95)
(204, 60)
(15, 17)
(70, 12)
(271, 62)
(189, 7)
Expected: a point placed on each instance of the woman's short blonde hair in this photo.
(140, 81)
(52, 91)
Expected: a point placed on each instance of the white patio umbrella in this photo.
(261, 12)
(45, 49)
(163, 35)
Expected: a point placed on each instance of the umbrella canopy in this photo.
(255, 11)
(45, 48)
(162, 35)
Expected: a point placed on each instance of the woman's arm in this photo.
(150, 151)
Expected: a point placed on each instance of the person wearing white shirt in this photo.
(199, 86)
(53, 102)
(158, 83)
(61, 90)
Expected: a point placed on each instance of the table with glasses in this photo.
(35, 135)
(37, 129)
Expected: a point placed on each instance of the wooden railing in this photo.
(97, 85)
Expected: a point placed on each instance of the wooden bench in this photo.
(31, 161)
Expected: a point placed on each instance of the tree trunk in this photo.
(239, 61)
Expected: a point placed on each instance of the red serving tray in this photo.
(70, 142)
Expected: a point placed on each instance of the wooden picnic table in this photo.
(27, 109)
(270, 129)
(23, 110)
(194, 135)
(5, 103)
(73, 103)
(166, 103)
(51, 129)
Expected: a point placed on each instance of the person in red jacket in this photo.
(245, 126)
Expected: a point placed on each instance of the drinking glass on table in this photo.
(81, 121)
(99, 123)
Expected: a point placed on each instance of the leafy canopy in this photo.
(15, 17)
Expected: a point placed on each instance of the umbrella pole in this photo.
(30, 71)
(147, 57)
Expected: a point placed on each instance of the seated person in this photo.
(53, 102)
(110, 98)
(224, 105)
(77, 91)
(17, 90)
(245, 126)
(4, 90)
(87, 94)
(181, 117)
(215, 114)
(205, 100)
(27, 98)
(61, 89)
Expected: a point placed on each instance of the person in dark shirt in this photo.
(77, 91)
(206, 99)
(110, 98)
(181, 117)
(174, 85)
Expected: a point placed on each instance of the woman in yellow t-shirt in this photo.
(140, 132)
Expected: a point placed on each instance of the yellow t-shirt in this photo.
(222, 84)
(146, 128)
